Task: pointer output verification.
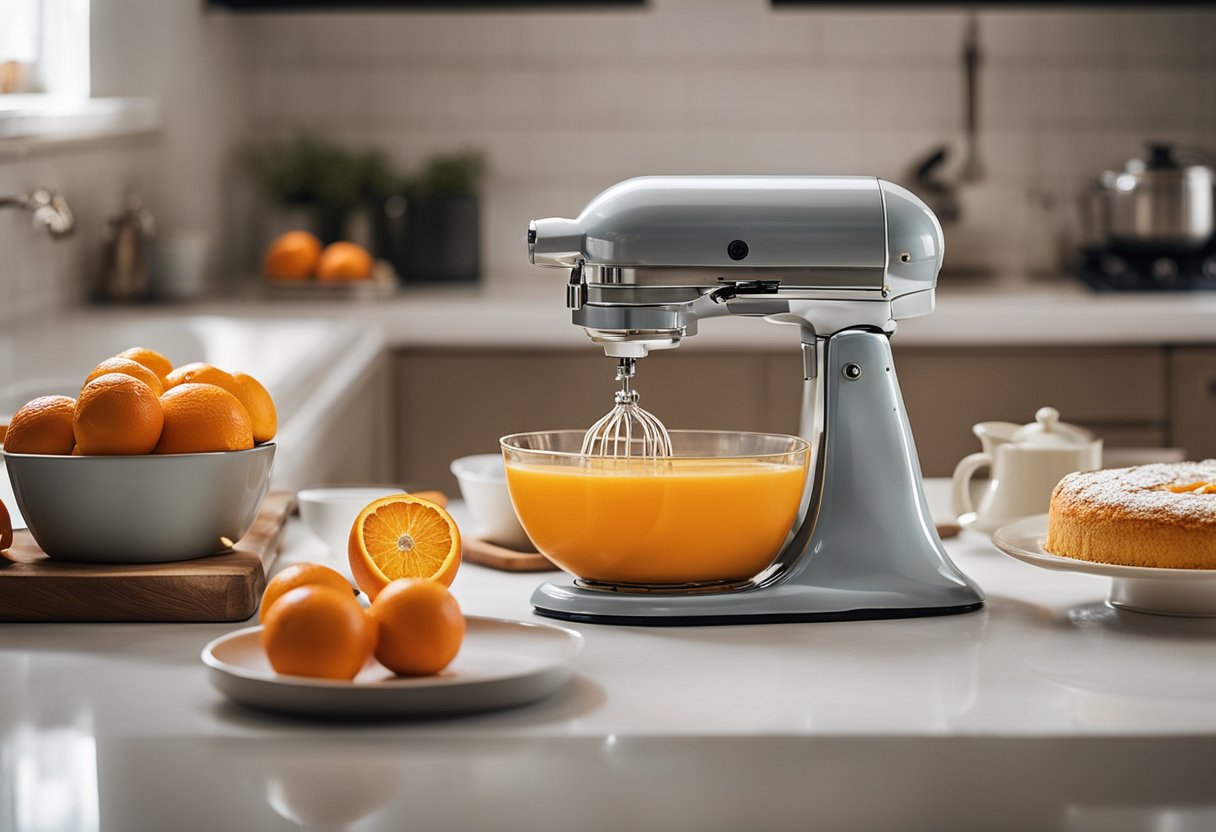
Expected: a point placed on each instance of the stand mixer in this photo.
(841, 259)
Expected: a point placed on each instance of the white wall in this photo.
(38, 274)
(567, 104)
(197, 65)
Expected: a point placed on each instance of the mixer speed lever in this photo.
(746, 287)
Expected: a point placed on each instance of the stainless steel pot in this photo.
(1157, 204)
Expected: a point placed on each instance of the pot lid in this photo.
(1047, 431)
(1163, 162)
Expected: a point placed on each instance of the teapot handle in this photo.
(963, 472)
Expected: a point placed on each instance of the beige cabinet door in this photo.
(451, 403)
(456, 402)
(1193, 401)
(1117, 392)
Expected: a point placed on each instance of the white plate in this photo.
(1165, 591)
(502, 663)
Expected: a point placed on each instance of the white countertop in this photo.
(1046, 710)
(536, 317)
(1061, 711)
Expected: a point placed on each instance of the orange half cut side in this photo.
(403, 536)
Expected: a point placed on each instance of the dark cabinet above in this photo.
(418, 5)
(894, 5)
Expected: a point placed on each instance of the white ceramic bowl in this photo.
(483, 485)
(139, 509)
(330, 512)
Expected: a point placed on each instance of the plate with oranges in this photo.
(297, 266)
(501, 664)
(410, 653)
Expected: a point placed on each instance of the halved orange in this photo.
(403, 536)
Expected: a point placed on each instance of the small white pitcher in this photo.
(1025, 462)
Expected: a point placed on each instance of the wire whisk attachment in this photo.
(627, 430)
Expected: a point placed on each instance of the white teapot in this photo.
(1025, 462)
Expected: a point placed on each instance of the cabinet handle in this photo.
(1212, 387)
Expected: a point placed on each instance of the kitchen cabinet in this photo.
(1118, 392)
(263, 6)
(1192, 374)
(456, 402)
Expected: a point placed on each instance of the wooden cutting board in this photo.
(224, 587)
(480, 551)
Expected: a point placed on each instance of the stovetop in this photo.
(1109, 270)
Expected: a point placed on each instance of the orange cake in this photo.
(1150, 515)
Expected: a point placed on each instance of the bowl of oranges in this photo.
(148, 463)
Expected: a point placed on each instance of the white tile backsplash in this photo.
(37, 273)
(565, 104)
(569, 103)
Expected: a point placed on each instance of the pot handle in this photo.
(963, 472)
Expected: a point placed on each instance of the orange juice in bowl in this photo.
(718, 509)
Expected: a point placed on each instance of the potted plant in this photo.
(430, 227)
(320, 178)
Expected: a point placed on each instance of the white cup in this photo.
(483, 484)
(329, 513)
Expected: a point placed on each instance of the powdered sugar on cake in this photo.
(1144, 492)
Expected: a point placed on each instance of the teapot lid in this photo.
(1047, 431)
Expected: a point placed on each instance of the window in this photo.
(19, 47)
(44, 79)
(44, 48)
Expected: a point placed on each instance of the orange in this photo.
(43, 426)
(258, 404)
(420, 627)
(6, 529)
(200, 373)
(151, 359)
(200, 418)
(128, 368)
(292, 256)
(403, 536)
(117, 414)
(373, 632)
(301, 574)
(344, 261)
(248, 390)
(316, 631)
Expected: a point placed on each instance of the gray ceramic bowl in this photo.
(139, 509)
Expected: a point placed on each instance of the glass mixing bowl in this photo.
(719, 509)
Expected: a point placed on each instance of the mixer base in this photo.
(779, 603)
(754, 618)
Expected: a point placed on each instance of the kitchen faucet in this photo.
(938, 192)
(49, 209)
